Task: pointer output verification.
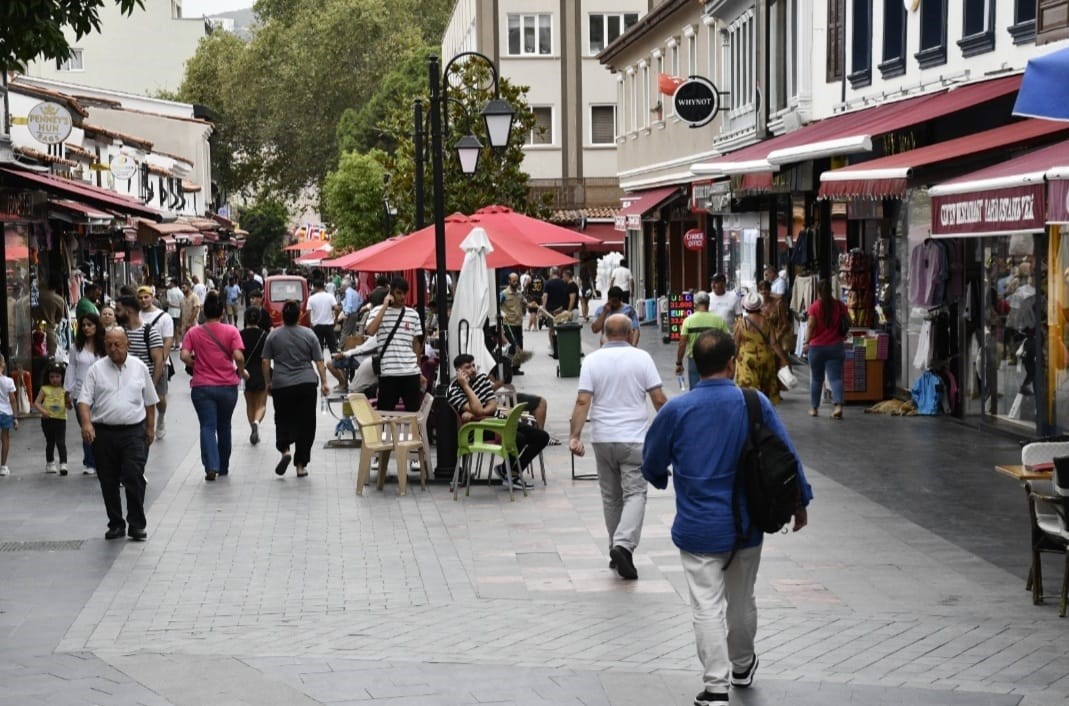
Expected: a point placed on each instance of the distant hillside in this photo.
(243, 21)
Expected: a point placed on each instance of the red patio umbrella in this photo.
(416, 250)
(306, 245)
(344, 261)
(503, 221)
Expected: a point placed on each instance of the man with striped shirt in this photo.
(146, 343)
(400, 325)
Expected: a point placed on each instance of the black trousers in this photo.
(405, 387)
(55, 436)
(325, 334)
(295, 420)
(514, 335)
(121, 453)
(530, 440)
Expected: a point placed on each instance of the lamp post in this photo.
(497, 116)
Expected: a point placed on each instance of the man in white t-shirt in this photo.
(321, 311)
(161, 321)
(621, 277)
(398, 325)
(199, 289)
(174, 305)
(614, 382)
(724, 303)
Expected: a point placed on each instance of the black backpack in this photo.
(768, 473)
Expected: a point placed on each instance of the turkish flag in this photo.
(669, 84)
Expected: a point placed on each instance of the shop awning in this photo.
(83, 192)
(852, 133)
(306, 245)
(639, 203)
(610, 238)
(149, 232)
(1006, 198)
(82, 211)
(887, 177)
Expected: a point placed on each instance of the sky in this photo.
(198, 8)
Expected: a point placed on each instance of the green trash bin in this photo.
(569, 349)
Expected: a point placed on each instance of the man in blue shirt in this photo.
(701, 435)
(350, 306)
(615, 304)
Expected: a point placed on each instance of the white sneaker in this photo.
(63, 469)
(5, 471)
(161, 429)
(89, 471)
(50, 468)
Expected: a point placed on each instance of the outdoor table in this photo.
(1021, 473)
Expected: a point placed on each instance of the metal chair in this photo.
(472, 440)
(1050, 516)
(1033, 454)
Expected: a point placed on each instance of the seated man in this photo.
(471, 395)
(358, 359)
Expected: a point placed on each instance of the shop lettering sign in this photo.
(24, 204)
(696, 101)
(1014, 210)
(1058, 201)
(123, 166)
(694, 239)
(49, 123)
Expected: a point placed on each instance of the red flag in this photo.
(669, 84)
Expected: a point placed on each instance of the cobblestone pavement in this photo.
(265, 590)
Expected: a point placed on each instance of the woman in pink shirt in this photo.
(824, 348)
(215, 351)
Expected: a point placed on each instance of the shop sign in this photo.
(1058, 201)
(123, 166)
(634, 222)
(1015, 210)
(694, 239)
(704, 193)
(31, 205)
(864, 209)
(49, 123)
(696, 101)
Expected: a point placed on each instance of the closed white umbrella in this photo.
(473, 301)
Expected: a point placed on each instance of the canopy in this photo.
(1044, 91)
(345, 260)
(503, 221)
(472, 301)
(306, 245)
(416, 250)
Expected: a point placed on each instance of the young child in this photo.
(53, 402)
(7, 415)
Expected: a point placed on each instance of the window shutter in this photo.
(836, 31)
(1052, 20)
(602, 125)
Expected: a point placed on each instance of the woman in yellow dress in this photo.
(758, 354)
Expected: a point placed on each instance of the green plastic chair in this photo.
(472, 440)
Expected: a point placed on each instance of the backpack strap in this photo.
(754, 421)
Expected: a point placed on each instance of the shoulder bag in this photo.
(376, 360)
(228, 354)
(166, 354)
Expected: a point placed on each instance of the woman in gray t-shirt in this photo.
(292, 384)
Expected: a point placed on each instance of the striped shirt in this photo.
(481, 386)
(399, 359)
(138, 347)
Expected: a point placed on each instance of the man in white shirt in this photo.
(117, 414)
(321, 309)
(199, 289)
(724, 303)
(164, 325)
(614, 382)
(398, 325)
(621, 277)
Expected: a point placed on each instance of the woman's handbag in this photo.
(787, 378)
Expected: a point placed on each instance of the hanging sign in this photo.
(696, 101)
(123, 166)
(49, 123)
(694, 239)
(1019, 209)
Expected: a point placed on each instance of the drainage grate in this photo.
(60, 546)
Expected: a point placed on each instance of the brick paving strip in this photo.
(302, 581)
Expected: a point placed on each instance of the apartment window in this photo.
(673, 59)
(530, 34)
(1023, 29)
(836, 39)
(602, 124)
(894, 39)
(542, 132)
(712, 52)
(621, 101)
(978, 27)
(692, 55)
(605, 28)
(783, 66)
(1052, 20)
(741, 61)
(632, 115)
(861, 44)
(176, 9)
(933, 34)
(646, 93)
(76, 62)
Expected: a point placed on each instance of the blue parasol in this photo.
(1045, 87)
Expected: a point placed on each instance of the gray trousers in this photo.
(623, 491)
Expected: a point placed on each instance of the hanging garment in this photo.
(922, 356)
(926, 392)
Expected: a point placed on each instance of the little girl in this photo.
(53, 402)
(8, 420)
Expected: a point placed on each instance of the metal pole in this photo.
(421, 277)
(447, 452)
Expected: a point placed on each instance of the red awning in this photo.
(1006, 198)
(306, 245)
(639, 203)
(610, 238)
(82, 191)
(852, 133)
(887, 177)
(81, 209)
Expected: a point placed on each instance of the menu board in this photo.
(680, 306)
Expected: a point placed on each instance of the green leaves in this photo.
(354, 200)
(34, 28)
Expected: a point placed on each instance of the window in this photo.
(632, 115)
(605, 28)
(76, 62)
(1052, 20)
(783, 65)
(894, 39)
(176, 9)
(1023, 29)
(530, 34)
(542, 132)
(861, 44)
(646, 88)
(978, 30)
(836, 39)
(602, 124)
(692, 54)
(739, 40)
(933, 34)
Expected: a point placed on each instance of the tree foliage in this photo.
(34, 28)
(353, 200)
(267, 221)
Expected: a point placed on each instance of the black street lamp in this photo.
(498, 116)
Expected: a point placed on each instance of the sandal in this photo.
(302, 471)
